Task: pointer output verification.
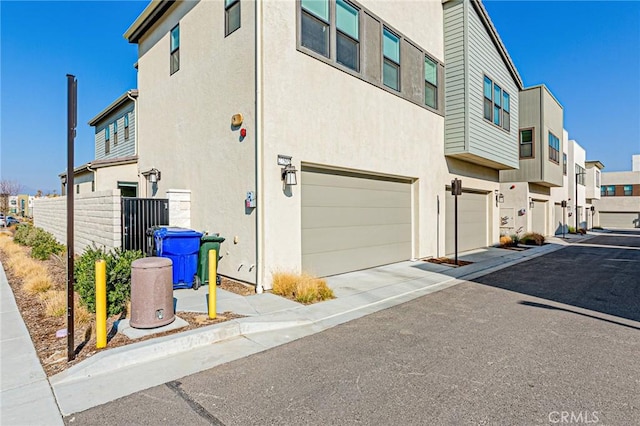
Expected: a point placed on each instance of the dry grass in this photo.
(55, 303)
(506, 240)
(303, 288)
(38, 282)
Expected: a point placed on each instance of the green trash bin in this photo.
(207, 242)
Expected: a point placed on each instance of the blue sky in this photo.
(586, 52)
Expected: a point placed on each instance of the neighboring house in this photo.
(593, 190)
(619, 203)
(115, 164)
(24, 205)
(572, 189)
(311, 134)
(525, 194)
(13, 204)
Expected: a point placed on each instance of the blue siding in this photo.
(124, 148)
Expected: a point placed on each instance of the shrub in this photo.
(43, 243)
(533, 238)
(571, 230)
(506, 241)
(515, 238)
(22, 232)
(118, 265)
(303, 288)
(582, 231)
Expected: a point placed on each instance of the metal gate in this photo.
(138, 215)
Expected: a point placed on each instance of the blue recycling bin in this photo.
(182, 246)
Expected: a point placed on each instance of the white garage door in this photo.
(539, 217)
(559, 220)
(473, 224)
(352, 222)
(619, 220)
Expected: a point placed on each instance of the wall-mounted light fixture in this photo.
(152, 175)
(63, 180)
(531, 203)
(289, 175)
(499, 197)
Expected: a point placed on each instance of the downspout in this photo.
(258, 149)
(135, 130)
(95, 176)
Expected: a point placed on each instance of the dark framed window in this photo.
(126, 126)
(347, 35)
(107, 140)
(115, 133)
(597, 177)
(175, 49)
(391, 59)
(77, 189)
(231, 16)
(526, 143)
(315, 25)
(564, 164)
(628, 190)
(608, 190)
(496, 104)
(554, 148)
(430, 82)
(580, 174)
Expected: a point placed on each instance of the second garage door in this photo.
(619, 220)
(472, 222)
(352, 222)
(539, 217)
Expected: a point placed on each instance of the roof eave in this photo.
(149, 16)
(113, 106)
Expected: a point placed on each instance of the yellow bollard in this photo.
(213, 273)
(101, 304)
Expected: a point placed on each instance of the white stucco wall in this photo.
(97, 218)
(107, 178)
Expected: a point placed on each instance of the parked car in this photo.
(10, 220)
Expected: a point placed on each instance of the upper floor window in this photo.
(554, 148)
(115, 133)
(430, 82)
(231, 16)
(347, 35)
(608, 190)
(564, 164)
(628, 190)
(391, 59)
(597, 177)
(175, 49)
(580, 174)
(497, 104)
(315, 26)
(126, 126)
(107, 140)
(526, 143)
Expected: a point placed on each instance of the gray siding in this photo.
(485, 139)
(454, 76)
(124, 148)
(552, 121)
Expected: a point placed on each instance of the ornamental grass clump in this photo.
(533, 239)
(303, 288)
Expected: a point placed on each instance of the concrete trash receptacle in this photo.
(151, 292)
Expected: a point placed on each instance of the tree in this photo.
(8, 188)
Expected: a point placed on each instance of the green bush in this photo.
(532, 238)
(43, 243)
(571, 229)
(118, 265)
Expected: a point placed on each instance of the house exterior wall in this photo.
(593, 181)
(577, 155)
(124, 147)
(619, 203)
(468, 134)
(185, 123)
(108, 177)
(97, 219)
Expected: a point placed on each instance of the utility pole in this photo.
(72, 122)
(456, 189)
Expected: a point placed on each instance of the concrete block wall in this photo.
(179, 207)
(97, 219)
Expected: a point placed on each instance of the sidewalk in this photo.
(270, 321)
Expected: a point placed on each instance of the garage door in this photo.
(559, 220)
(539, 217)
(352, 222)
(472, 222)
(619, 220)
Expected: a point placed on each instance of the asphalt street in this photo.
(551, 340)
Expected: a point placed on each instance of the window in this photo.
(506, 114)
(347, 35)
(430, 82)
(77, 189)
(628, 190)
(497, 105)
(564, 164)
(107, 141)
(175, 49)
(315, 26)
(115, 133)
(608, 191)
(126, 126)
(488, 99)
(391, 60)
(526, 143)
(231, 16)
(597, 177)
(580, 175)
(554, 148)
